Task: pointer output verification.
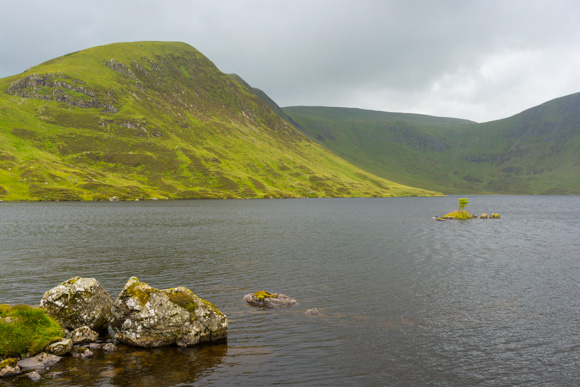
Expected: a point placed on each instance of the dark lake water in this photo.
(404, 300)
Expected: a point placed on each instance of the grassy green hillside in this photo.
(154, 119)
(534, 152)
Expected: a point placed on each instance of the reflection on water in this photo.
(403, 300)
(133, 367)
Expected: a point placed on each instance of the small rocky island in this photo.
(78, 316)
(462, 214)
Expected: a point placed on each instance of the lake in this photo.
(403, 299)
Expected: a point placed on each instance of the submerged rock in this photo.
(79, 302)
(269, 300)
(147, 317)
(82, 352)
(39, 361)
(312, 312)
(109, 347)
(34, 376)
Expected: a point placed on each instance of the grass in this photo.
(164, 122)
(459, 215)
(534, 152)
(29, 331)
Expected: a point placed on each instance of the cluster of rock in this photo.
(140, 316)
(493, 215)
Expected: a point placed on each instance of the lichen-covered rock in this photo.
(60, 348)
(9, 367)
(494, 216)
(79, 302)
(83, 334)
(147, 317)
(269, 300)
(483, 216)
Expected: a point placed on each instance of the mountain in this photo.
(158, 119)
(534, 152)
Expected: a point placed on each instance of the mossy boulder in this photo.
(148, 317)
(269, 300)
(79, 302)
(9, 367)
(494, 216)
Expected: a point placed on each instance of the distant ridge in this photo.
(534, 152)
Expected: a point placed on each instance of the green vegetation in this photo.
(158, 120)
(462, 203)
(459, 215)
(534, 152)
(184, 298)
(25, 330)
(260, 295)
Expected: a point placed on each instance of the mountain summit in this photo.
(158, 119)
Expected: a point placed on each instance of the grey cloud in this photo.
(474, 59)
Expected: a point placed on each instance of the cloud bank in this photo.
(479, 60)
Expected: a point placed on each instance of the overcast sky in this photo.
(479, 60)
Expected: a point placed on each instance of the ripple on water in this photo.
(404, 300)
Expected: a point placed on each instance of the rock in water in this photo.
(147, 317)
(60, 347)
(9, 367)
(269, 300)
(34, 376)
(109, 347)
(40, 361)
(78, 302)
(84, 334)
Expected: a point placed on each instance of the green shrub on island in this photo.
(25, 331)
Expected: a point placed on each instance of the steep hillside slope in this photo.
(410, 148)
(534, 152)
(157, 119)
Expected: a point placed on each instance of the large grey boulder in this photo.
(147, 317)
(79, 302)
(269, 300)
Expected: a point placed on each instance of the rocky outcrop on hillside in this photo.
(58, 88)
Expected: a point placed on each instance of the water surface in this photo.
(404, 300)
